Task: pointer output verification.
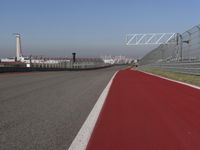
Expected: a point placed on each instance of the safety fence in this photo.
(182, 56)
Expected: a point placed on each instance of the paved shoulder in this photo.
(45, 110)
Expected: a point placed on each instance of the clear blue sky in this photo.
(89, 27)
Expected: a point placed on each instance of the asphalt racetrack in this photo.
(144, 112)
(45, 110)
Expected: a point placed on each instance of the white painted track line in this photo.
(187, 84)
(82, 138)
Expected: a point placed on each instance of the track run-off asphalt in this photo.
(144, 112)
(45, 110)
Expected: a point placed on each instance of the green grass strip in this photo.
(191, 79)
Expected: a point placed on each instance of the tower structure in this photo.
(18, 46)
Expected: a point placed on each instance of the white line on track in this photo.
(82, 138)
(187, 84)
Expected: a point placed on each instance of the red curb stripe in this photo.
(144, 112)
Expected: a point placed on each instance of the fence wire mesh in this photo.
(191, 49)
(182, 56)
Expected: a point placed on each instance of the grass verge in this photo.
(191, 79)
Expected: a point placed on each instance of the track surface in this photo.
(45, 110)
(143, 112)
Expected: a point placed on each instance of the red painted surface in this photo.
(143, 112)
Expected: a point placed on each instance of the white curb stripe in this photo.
(82, 138)
(187, 84)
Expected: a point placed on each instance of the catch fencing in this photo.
(182, 56)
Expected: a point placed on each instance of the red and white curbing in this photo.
(82, 138)
(187, 84)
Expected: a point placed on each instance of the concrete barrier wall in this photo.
(52, 68)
